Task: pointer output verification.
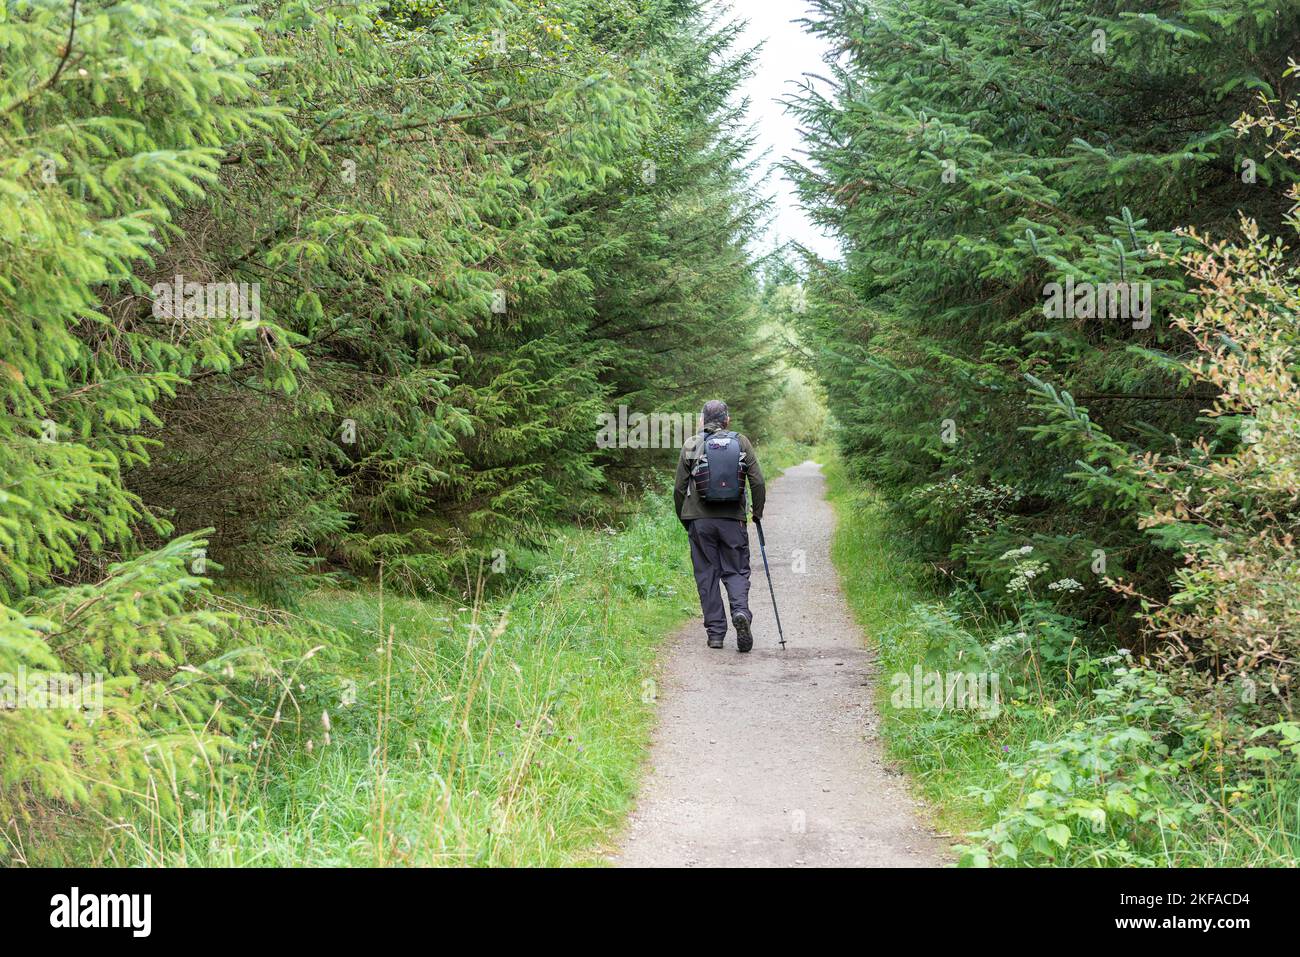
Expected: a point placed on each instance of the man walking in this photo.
(710, 498)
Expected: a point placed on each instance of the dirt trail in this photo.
(771, 758)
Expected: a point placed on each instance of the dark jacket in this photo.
(688, 503)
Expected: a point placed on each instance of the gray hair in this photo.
(715, 412)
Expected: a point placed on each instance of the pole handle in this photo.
(762, 543)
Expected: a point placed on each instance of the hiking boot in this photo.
(715, 642)
(744, 637)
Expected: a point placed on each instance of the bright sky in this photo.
(788, 52)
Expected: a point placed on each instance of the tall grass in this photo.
(506, 732)
(509, 729)
(966, 767)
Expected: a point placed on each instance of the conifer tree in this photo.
(970, 156)
(314, 290)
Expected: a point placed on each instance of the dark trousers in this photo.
(720, 553)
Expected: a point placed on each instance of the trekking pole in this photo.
(762, 547)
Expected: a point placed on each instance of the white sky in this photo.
(788, 52)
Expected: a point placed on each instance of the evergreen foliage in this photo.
(462, 229)
(972, 154)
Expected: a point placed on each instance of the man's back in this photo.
(686, 498)
(710, 468)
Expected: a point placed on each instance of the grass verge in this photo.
(1072, 772)
(883, 581)
(504, 732)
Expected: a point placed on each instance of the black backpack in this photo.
(719, 473)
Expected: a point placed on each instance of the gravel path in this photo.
(771, 758)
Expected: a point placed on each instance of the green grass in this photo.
(508, 732)
(882, 580)
(512, 731)
(962, 766)
(949, 756)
